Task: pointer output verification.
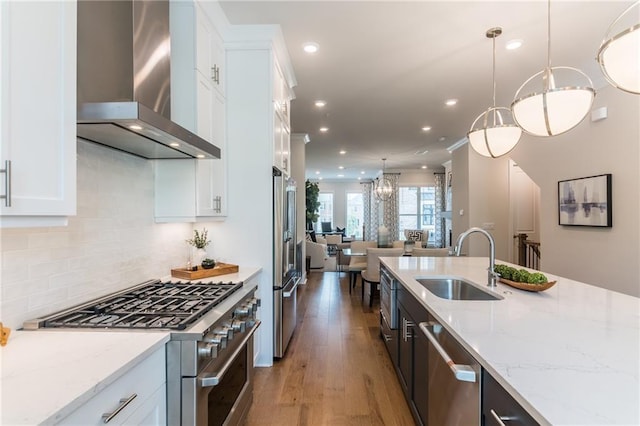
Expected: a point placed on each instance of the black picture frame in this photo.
(585, 201)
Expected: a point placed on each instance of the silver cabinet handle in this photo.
(107, 417)
(405, 329)
(218, 204)
(210, 381)
(7, 183)
(463, 373)
(501, 419)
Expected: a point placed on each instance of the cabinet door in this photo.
(405, 352)
(38, 73)
(498, 407)
(218, 62)
(219, 172)
(204, 39)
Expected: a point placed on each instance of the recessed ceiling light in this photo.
(320, 178)
(317, 172)
(426, 128)
(451, 102)
(340, 175)
(135, 127)
(362, 172)
(513, 44)
(174, 144)
(324, 129)
(343, 152)
(320, 103)
(341, 167)
(311, 47)
(200, 156)
(423, 167)
(442, 139)
(359, 178)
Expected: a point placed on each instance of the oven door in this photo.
(222, 393)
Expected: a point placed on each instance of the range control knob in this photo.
(243, 311)
(208, 350)
(226, 332)
(238, 326)
(217, 339)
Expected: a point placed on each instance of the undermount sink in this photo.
(456, 289)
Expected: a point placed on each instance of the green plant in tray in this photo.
(522, 275)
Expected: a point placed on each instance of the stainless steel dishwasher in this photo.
(454, 379)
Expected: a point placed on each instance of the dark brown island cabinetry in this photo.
(499, 407)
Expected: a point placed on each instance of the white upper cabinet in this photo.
(38, 113)
(281, 125)
(195, 190)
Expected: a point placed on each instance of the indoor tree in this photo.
(312, 191)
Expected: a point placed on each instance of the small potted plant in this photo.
(199, 242)
(208, 263)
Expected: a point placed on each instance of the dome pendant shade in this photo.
(554, 110)
(494, 140)
(619, 55)
(494, 133)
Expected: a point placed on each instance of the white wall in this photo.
(607, 257)
(112, 243)
(298, 163)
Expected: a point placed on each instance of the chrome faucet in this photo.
(492, 275)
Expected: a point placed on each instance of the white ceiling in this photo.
(386, 68)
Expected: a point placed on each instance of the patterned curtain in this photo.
(367, 190)
(391, 211)
(439, 208)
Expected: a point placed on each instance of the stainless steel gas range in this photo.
(210, 354)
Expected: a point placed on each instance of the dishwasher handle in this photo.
(463, 373)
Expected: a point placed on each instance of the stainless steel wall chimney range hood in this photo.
(124, 74)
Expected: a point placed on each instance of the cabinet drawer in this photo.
(143, 380)
(498, 406)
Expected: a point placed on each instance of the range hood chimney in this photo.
(124, 74)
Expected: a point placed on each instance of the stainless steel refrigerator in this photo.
(285, 275)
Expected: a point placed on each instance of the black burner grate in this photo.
(157, 305)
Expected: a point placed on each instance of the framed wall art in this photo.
(585, 201)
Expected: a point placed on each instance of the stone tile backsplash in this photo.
(111, 244)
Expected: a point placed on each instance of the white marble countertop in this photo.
(47, 374)
(569, 355)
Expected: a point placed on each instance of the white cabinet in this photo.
(195, 190)
(38, 113)
(137, 397)
(281, 125)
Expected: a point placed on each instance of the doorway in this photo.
(524, 207)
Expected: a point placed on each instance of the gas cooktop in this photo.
(151, 305)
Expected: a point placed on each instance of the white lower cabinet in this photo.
(136, 398)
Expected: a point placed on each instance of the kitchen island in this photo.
(568, 355)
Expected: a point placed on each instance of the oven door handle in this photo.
(210, 381)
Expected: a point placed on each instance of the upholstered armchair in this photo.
(318, 252)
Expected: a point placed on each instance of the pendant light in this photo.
(619, 54)
(383, 189)
(565, 100)
(494, 133)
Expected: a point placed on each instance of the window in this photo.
(325, 212)
(355, 214)
(417, 209)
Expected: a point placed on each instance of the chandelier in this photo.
(494, 133)
(383, 188)
(619, 54)
(565, 100)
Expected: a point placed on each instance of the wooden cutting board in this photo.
(219, 269)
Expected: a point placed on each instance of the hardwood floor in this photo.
(336, 370)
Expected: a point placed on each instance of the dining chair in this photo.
(371, 275)
(358, 263)
(332, 242)
(430, 252)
